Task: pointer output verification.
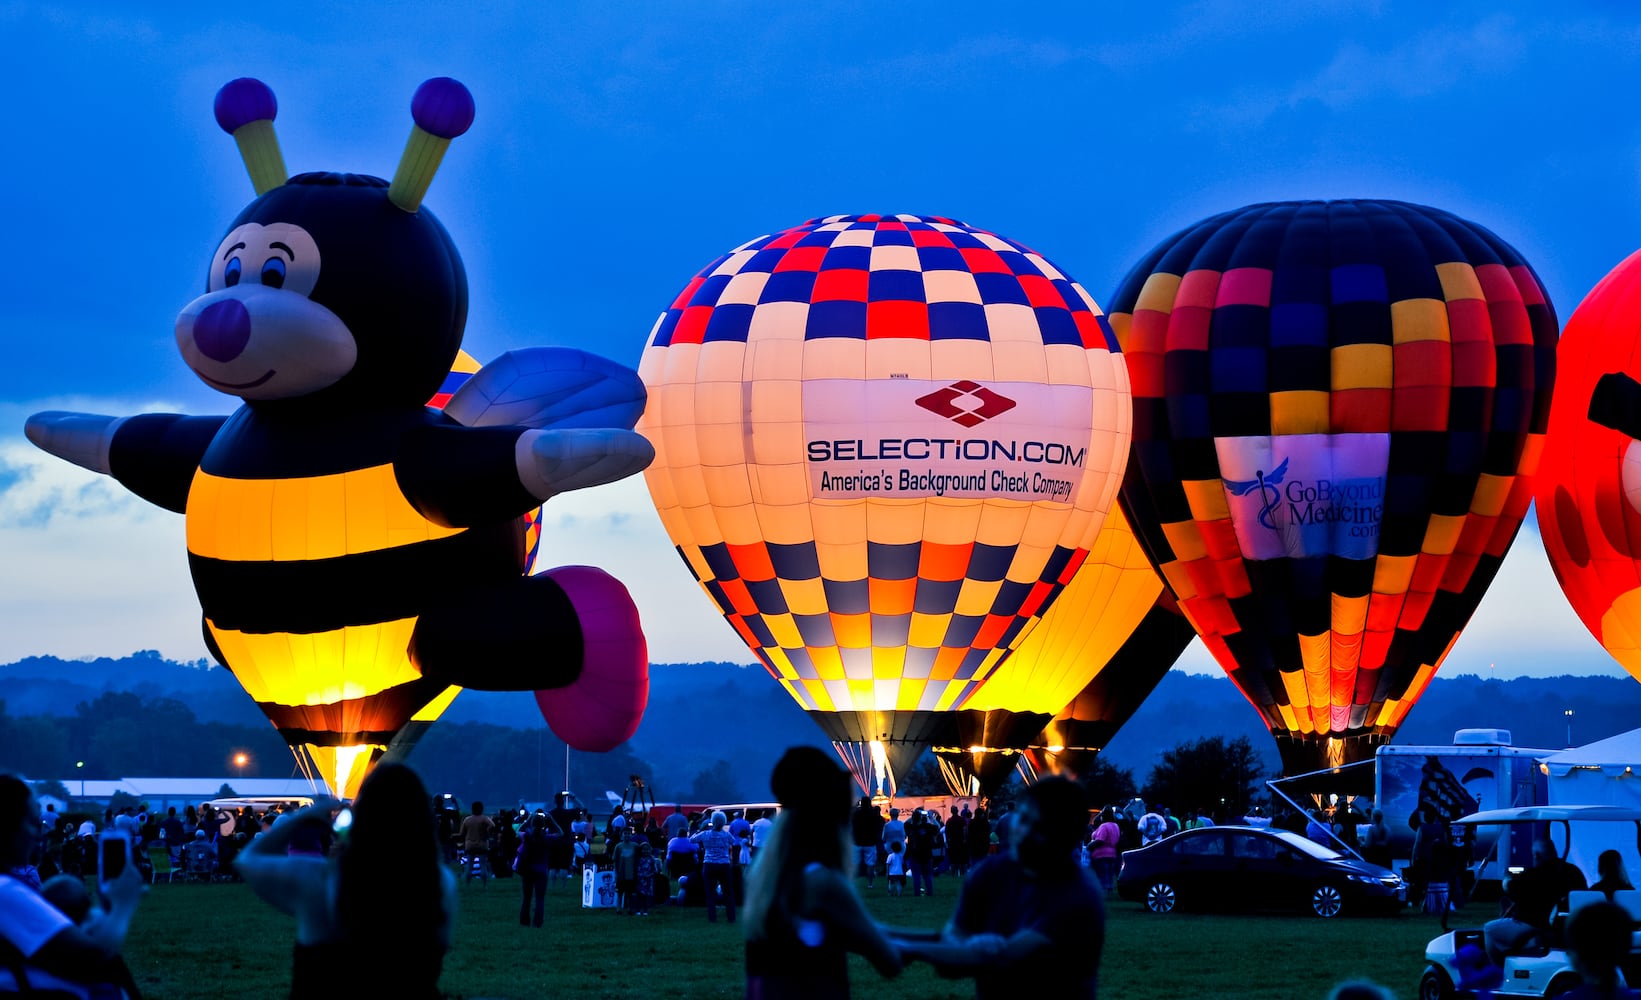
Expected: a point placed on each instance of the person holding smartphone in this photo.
(385, 892)
(56, 955)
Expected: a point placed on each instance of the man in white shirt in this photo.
(894, 831)
(760, 831)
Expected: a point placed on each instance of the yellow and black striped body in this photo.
(313, 569)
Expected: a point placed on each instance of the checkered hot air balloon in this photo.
(1338, 408)
(1589, 485)
(884, 444)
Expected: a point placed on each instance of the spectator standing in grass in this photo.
(384, 895)
(171, 831)
(676, 824)
(867, 829)
(1102, 851)
(957, 842)
(1376, 845)
(741, 857)
(979, 836)
(716, 874)
(531, 864)
(760, 831)
(624, 858)
(803, 916)
(476, 832)
(1029, 922)
(1152, 828)
(646, 877)
(894, 863)
(920, 835)
(894, 831)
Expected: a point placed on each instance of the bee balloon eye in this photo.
(273, 272)
(230, 274)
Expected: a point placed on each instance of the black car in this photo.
(1247, 868)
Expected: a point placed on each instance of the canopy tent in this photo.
(1600, 773)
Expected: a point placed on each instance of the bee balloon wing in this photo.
(550, 388)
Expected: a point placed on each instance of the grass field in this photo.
(207, 940)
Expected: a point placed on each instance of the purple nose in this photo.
(222, 330)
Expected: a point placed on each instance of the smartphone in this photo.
(113, 856)
(344, 820)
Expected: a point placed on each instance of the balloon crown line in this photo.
(441, 109)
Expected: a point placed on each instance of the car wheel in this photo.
(1434, 985)
(1562, 985)
(1160, 897)
(1326, 900)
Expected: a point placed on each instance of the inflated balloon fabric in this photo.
(1589, 486)
(884, 445)
(1337, 409)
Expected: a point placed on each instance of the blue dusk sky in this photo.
(618, 148)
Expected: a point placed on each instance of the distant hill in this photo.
(701, 713)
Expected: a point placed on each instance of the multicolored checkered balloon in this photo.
(1338, 408)
(884, 445)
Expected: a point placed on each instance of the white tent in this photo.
(1607, 772)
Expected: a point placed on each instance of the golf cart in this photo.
(1542, 969)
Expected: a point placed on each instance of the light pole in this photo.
(240, 760)
(79, 766)
(1569, 714)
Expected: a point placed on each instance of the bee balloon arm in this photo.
(82, 438)
(462, 476)
(557, 461)
(154, 455)
(458, 477)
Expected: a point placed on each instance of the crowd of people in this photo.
(1029, 913)
(199, 843)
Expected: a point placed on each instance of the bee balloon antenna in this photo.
(442, 109)
(245, 108)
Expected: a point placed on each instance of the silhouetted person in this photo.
(802, 914)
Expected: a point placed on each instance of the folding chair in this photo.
(159, 860)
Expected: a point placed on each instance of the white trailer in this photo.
(1480, 771)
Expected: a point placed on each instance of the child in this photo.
(897, 868)
(741, 855)
(646, 877)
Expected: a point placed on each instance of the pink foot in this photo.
(601, 709)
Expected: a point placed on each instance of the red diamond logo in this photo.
(966, 402)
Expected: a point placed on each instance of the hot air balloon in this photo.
(1589, 484)
(1090, 620)
(1074, 737)
(360, 556)
(884, 445)
(1337, 410)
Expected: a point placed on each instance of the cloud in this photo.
(1430, 62)
(90, 569)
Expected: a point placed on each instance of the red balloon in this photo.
(1589, 484)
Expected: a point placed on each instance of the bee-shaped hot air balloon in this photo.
(358, 554)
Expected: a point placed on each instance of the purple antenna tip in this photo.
(242, 101)
(442, 107)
